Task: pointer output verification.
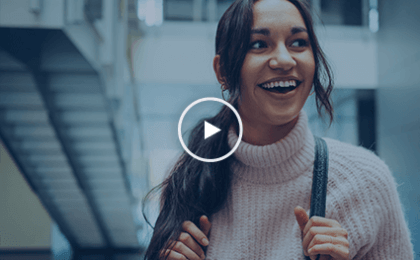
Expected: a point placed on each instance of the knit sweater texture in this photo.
(258, 221)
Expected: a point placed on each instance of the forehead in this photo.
(268, 13)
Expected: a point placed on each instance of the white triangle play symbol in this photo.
(209, 130)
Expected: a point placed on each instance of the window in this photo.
(331, 12)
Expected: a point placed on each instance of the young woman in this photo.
(255, 205)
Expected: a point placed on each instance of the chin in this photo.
(279, 119)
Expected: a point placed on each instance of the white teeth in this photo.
(280, 84)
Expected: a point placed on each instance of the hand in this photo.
(322, 236)
(187, 246)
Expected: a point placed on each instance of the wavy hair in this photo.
(196, 188)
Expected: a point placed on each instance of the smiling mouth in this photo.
(280, 86)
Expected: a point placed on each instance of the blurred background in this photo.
(91, 92)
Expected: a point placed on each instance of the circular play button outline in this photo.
(216, 100)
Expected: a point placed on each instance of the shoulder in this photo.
(340, 150)
(355, 159)
(360, 186)
(357, 169)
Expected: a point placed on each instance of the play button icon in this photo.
(210, 130)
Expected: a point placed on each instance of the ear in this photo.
(216, 67)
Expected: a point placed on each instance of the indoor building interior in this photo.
(91, 92)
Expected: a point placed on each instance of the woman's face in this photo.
(279, 55)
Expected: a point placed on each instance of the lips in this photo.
(280, 86)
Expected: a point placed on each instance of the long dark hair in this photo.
(195, 188)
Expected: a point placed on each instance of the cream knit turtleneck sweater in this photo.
(258, 220)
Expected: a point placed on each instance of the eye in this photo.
(299, 43)
(258, 45)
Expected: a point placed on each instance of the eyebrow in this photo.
(263, 31)
(298, 29)
(266, 32)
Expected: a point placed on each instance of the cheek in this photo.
(308, 69)
(252, 67)
(246, 69)
(247, 79)
(311, 68)
(310, 65)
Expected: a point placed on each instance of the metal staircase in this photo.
(59, 126)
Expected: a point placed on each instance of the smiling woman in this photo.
(279, 56)
(255, 204)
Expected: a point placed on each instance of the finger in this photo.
(328, 231)
(319, 239)
(172, 255)
(187, 252)
(205, 225)
(320, 222)
(195, 232)
(301, 217)
(338, 252)
(326, 239)
(191, 243)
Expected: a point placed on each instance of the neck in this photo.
(264, 134)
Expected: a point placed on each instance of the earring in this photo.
(223, 91)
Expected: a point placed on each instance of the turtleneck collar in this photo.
(289, 157)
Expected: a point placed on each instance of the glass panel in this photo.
(341, 12)
(345, 124)
(93, 10)
(178, 10)
(332, 12)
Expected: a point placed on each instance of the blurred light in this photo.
(141, 10)
(373, 20)
(150, 11)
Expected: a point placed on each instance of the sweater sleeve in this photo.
(366, 203)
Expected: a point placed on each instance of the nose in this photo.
(281, 59)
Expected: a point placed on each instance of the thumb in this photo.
(205, 225)
(301, 217)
